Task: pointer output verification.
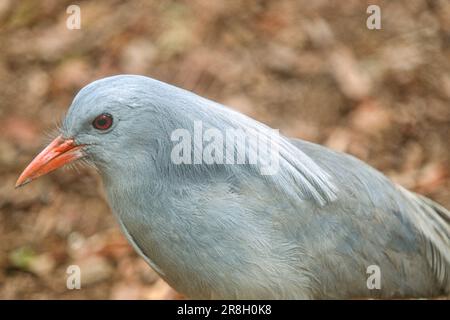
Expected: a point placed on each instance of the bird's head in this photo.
(107, 123)
(123, 125)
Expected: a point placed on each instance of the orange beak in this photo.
(58, 153)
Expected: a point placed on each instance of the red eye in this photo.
(103, 121)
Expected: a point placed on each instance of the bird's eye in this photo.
(103, 121)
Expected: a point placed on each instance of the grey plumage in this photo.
(226, 231)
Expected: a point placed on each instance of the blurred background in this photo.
(310, 68)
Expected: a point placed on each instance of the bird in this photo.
(300, 222)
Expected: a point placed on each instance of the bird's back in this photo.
(373, 222)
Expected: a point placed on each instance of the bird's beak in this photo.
(58, 153)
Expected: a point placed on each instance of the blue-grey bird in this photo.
(321, 225)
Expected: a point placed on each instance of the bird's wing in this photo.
(377, 193)
(434, 221)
